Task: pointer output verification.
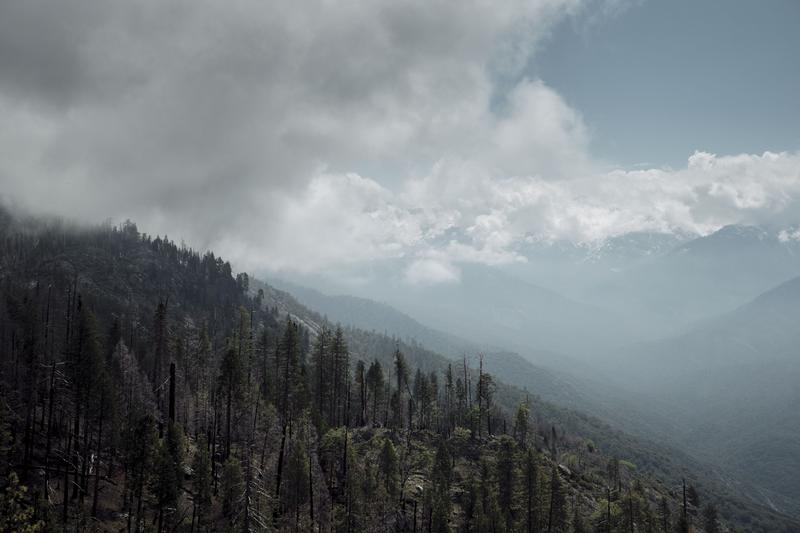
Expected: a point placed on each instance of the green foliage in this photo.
(16, 513)
(506, 477)
(521, 423)
(389, 468)
(296, 493)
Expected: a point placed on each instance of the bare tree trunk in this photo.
(65, 511)
(49, 428)
(228, 420)
(172, 393)
(214, 448)
(279, 473)
(97, 468)
(310, 490)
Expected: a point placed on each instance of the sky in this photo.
(315, 135)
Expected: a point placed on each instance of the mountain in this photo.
(570, 268)
(489, 306)
(559, 398)
(103, 313)
(630, 288)
(375, 316)
(733, 381)
(533, 370)
(615, 403)
(702, 277)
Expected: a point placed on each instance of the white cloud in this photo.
(200, 118)
(430, 271)
(314, 135)
(460, 213)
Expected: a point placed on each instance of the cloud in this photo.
(462, 213)
(430, 271)
(201, 118)
(319, 135)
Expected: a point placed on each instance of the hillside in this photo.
(489, 306)
(370, 315)
(702, 277)
(640, 413)
(266, 422)
(736, 375)
(535, 371)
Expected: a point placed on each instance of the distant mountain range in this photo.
(733, 384)
(690, 340)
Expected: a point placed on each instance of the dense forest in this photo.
(147, 387)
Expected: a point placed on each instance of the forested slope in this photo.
(145, 387)
(743, 504)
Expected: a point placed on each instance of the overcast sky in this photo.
(308, 135)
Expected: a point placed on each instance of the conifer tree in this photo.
(140, 456)
(441, 476)
(375, 385)
(531, 489)
(201, 484)
(361, 386)
(166, 480)
(521, 423)
(557, 513)
(401, 379)
(506, 477)
(389, 467)
(341, 377)
(710, 519)
(664, 514)
(295, 493)
(322, 374)
(231, 379)
(232, 491)
(16, 513)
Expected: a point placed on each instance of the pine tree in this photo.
(341, 377)
(140, 452)
(167, 473)
(361, 385)
(231, 379)
(693, 497)
(578, 523)
(389, 467)
(441, 477)
(422, 398)
(710, 519)
(201, 483)
(322, 369)
(16, 512)
(664, 514)
(506, 477)
(375, 385)
(531, 488)
(521, 423)
(486, 389)
(296, 491)
(232, 490)
(557, 514)
(401, 377)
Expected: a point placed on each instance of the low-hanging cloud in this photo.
(311, 135)
(462, 213)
